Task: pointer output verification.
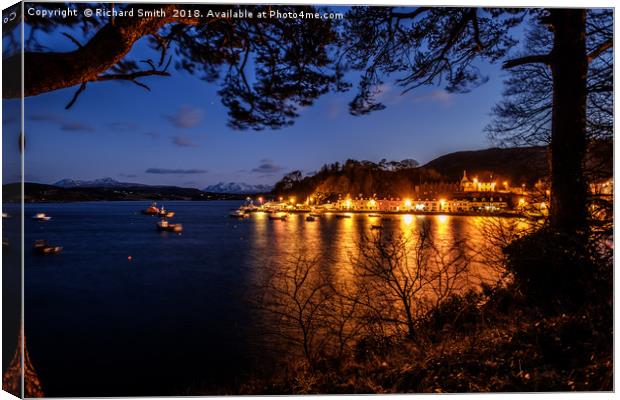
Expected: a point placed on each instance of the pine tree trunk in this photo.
(568, 131)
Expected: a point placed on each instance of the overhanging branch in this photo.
(540, 58)
(104, 50)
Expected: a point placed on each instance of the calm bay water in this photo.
(175, 318)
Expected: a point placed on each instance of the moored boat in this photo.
(42, 247)
(279, 217)
(151, 210)
(310, 218)
(239, 214)
(165, 226)
(164, 213)
(374, 215)
(41, 217)
(375, 227)
(340, 216)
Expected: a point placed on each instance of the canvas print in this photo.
(237, 199)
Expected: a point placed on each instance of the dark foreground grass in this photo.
(476, 343)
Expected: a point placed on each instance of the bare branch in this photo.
(73, 39)
(600, 49)
(76, 95)
(539, 58)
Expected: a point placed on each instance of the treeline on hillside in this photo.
(385, 178)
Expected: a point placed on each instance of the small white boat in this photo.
(164, 213)
(5, 215)
(280, 217)
(151, 210)
(41, 217)
(165, 226)
(42, 247)
(239, 214)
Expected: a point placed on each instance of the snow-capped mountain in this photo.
(237, 188)
(103, 182)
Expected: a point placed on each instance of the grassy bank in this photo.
(480, 343)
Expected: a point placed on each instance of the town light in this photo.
(347, 203)
(372, 203)
(407, 203)
(260, 200)
(291, 200)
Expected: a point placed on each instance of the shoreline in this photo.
(504, 214)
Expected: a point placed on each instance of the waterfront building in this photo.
(476, 185)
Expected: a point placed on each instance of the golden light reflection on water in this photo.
(334, 240)
(407, 219)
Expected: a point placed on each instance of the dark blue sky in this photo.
(177, 134)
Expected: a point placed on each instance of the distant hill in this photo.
(238, 188)
(37, 192)
(103, 182)
(517, 164)
(400, 179)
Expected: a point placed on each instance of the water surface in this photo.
(175, 316)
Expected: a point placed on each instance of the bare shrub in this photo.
(403, 278)
(295, 297)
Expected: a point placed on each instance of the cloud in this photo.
(267, 166)
(175, 171)
(152, 135)
(438, 95)
(76, 127)
(128, 175)
(123, 126)
(184, 141)
(63, 124)
(185, 117)
(43, 117)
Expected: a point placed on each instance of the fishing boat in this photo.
(239, 214)
(165, 226)
(151, 210)
(279, 217)
(164, 213)
(42, 247)
(41, 217)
